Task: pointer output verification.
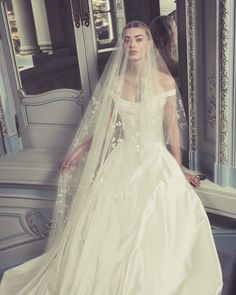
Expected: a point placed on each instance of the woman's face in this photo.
(135, 43)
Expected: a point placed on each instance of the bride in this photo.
(127, 222)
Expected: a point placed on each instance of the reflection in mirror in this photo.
(109, 20)
(44, 45)
(164, 29)
(164, 32)
(104, 22)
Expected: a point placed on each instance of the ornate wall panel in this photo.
(191, 64)
(225, 169)
(223, 78)
(25, 217)
(51, 118)
(210, 64)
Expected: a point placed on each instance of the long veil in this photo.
(103, 127)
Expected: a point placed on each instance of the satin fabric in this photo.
(144, 230)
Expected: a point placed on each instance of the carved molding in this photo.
(18, 233)
(191, 60)
(211, 100)
(55, 107)
(39, 222)
(223, 44)
(52, 95)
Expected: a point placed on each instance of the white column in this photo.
(26, 28)
(48, 24)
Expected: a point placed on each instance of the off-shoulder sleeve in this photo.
(171, 92)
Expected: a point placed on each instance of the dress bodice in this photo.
(143, 122)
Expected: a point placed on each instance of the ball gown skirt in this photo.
(147, 233)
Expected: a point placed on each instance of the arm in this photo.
(173, 137)
(71, 159)
(172, 129)
(75, 156)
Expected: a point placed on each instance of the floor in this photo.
(224, 232)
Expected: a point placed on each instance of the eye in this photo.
(126, 40)
(139, 39)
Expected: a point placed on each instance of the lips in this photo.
(132, 52)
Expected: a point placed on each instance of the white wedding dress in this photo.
(147, 230)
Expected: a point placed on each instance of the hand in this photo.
(193, 179)
(71, 160)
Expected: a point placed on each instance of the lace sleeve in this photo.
(175, 124)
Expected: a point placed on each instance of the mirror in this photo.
(44, 46)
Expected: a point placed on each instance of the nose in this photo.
(131, 43)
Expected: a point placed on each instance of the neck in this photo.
(136, 68)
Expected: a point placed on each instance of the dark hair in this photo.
(137, 24)
(162, 30)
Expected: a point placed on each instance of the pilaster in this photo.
(225, 112)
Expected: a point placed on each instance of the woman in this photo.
(127, 220)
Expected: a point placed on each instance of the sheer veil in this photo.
(143, 81)
(103, 127)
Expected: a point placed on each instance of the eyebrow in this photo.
(134, 36)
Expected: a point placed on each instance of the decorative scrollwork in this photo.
(223, 80)
(39, 222)
(191, 75)
(81, 12)
(211, 100)
(211, 116)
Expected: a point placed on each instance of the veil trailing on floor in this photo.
(126, 76)
(136, 73)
